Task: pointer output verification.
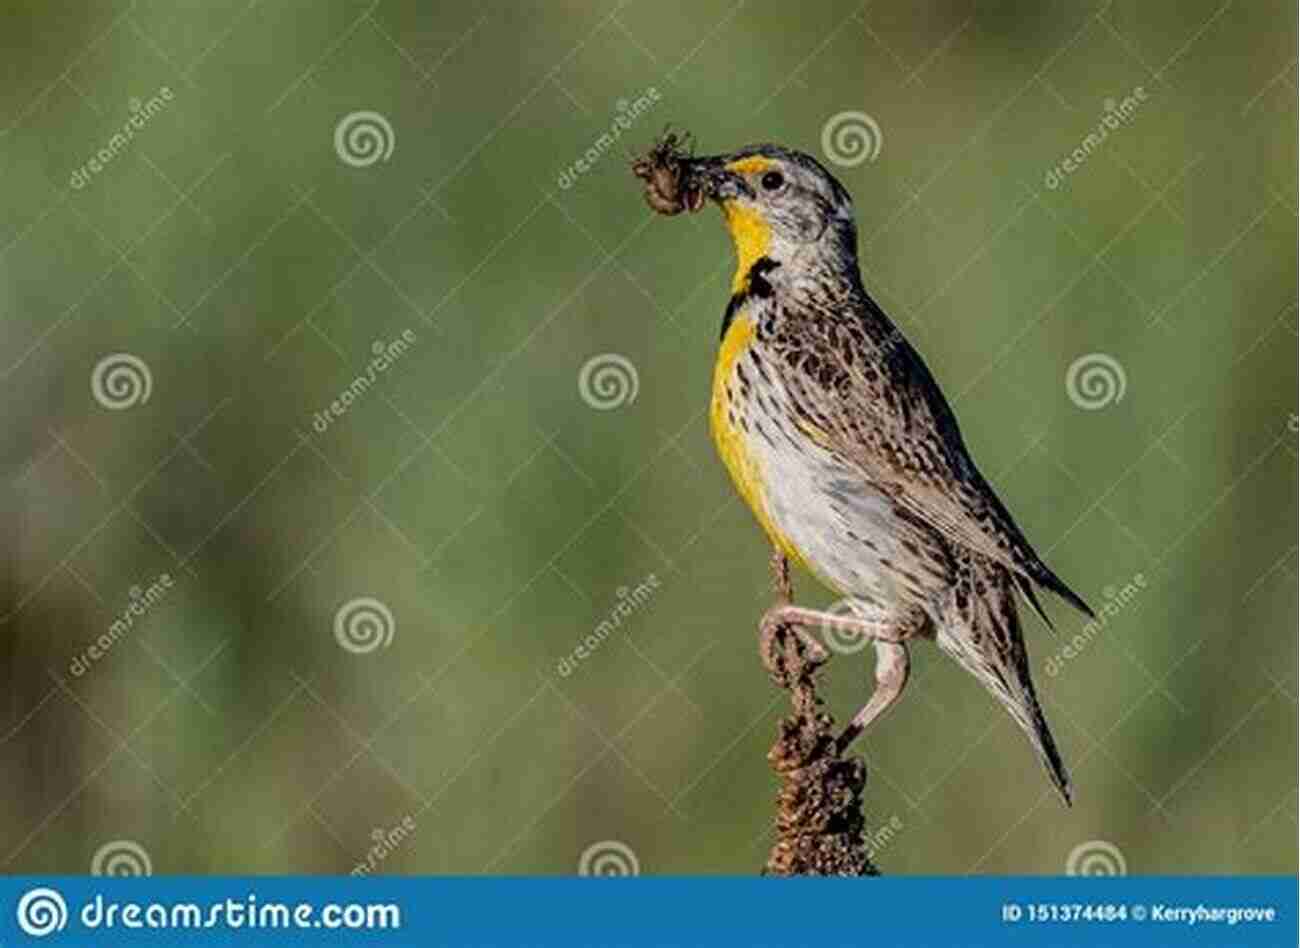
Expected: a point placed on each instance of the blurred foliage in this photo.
(500, 519)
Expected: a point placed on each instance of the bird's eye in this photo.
(772, 181)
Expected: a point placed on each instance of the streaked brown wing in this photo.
(887, 415)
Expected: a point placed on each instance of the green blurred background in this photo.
(498, 517)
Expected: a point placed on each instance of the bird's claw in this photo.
(786, 650)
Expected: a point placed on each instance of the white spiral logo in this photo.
(1095, 380)
(608, 381)
(850, 138)
(121, 857)
(363, 138)
(120, 381)
(609, 857)
(41, 912)
(363, 625)
(843, 641)
(1096, 857)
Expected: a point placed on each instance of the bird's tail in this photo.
(983, 633)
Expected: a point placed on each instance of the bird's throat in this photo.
(752, 237)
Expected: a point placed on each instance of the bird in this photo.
(839, 439)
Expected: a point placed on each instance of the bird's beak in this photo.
(709, 178)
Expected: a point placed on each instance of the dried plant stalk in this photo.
(819, 823)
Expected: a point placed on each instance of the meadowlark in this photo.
(839, 439)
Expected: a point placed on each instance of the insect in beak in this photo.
(676, 181)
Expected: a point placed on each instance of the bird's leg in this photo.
(781, 577)
(798, 620)
(892, 661)
(891, 676)
(769, 645)
(775, 620)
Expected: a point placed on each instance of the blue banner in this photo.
(257, 911)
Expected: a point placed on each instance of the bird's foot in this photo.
(786, 648)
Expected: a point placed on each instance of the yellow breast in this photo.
(733, 442)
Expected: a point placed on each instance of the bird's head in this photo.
(778, 204)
